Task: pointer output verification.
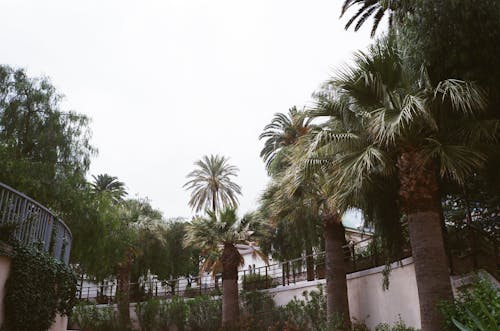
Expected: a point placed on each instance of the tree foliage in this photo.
(45, 151)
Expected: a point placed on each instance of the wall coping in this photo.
(5, 249)
(379, 269)
(354, 275)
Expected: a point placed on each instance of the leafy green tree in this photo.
(456, 39)
(45, 151)
(105, 183)
(211, 184)
(217, 236)
(163, 253)
(460, 39)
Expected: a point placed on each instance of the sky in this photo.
(168, 81)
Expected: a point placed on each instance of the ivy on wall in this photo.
(38, 288)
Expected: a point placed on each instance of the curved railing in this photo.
(32, 223)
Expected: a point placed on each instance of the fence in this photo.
(31, 223)
(358, 256)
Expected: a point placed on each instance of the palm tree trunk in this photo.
(420, 199)
(337, 303)
(309, 261)
(214, 200)
(230, 302)
(123, 293)
(123, 288)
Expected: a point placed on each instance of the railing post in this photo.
(267, 280)
(288, 272)
(283, 274)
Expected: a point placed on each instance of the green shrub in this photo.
(94, 318)
(148, 314)
(173, 312)
(399, 326)
(204, 314)
(478, 303)
(257, 282)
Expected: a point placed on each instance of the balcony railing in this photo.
(33, 223)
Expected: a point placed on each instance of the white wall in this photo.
(368, 302)
(4, 274)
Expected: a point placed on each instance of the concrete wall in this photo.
(4, 274)
(60, 323)
(368, 301)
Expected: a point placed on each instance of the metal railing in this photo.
(357, 256)
(32, 223)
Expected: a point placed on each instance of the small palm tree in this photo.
(211, 184)
(110, 184)
(284, 130)
(217, 236)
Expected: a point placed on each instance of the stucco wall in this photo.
(4, 274)
(367, 300)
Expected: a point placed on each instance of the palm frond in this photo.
(456, 162)
(465, 97)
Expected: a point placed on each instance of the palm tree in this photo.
(111, 185)
(292, 227)
(435, 132)
(378, 8)
(217, 236)
(211, 184)
(284, 130)
(281, 134)
(317, 193)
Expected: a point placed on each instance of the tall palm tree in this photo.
(378, 8)
(217, 236)
(284, 130)
(211, 184)
(110, 184)
(435, 131)
(317, 192)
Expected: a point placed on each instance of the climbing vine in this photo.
(38, 288)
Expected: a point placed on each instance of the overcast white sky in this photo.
(168, 81)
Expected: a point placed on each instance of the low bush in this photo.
(257, 282)
(148, 314)
(94, 318)
(399, 326)
(202, 313)
(477, 307)
(205, 314)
